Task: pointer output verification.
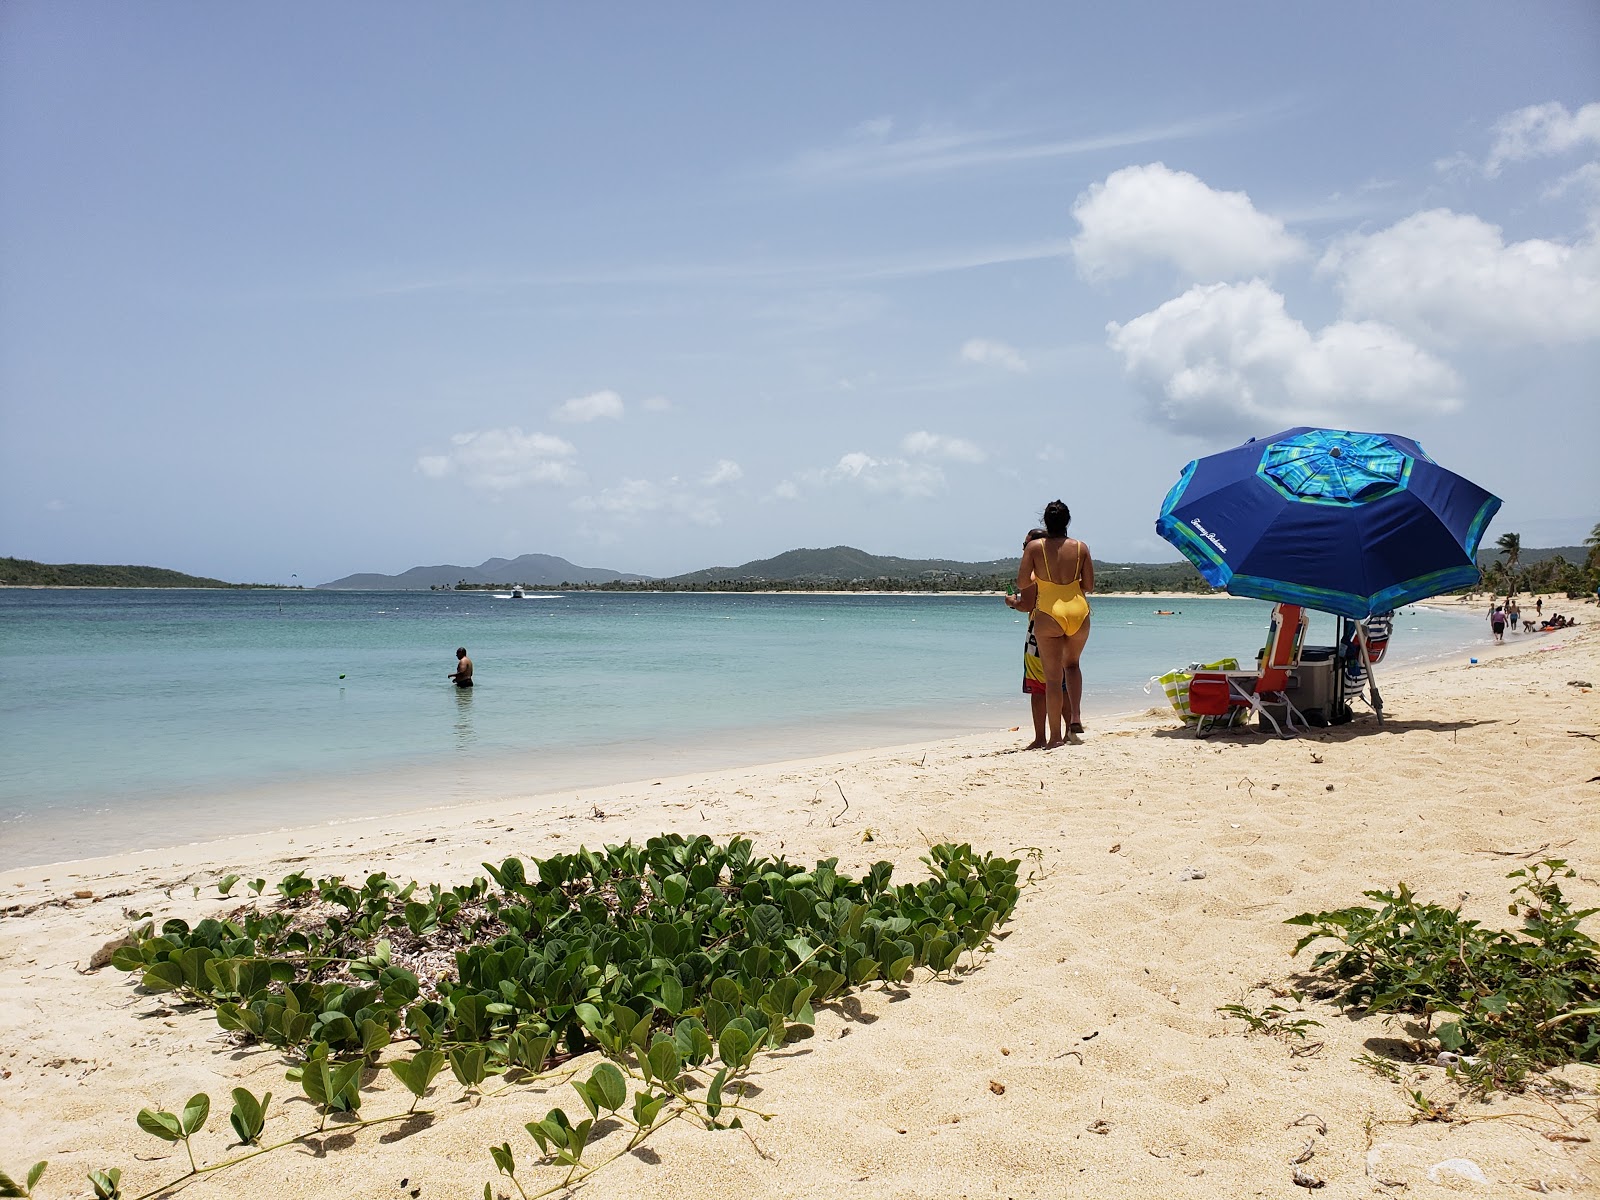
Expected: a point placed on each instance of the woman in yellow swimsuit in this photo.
(1063, 571)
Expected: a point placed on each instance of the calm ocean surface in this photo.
(134, 718)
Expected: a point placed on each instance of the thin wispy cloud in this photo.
(871, 152)
(810, 271)
(989, 352)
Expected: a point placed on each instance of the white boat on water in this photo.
(519, 594)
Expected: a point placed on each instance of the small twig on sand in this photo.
(834, 820)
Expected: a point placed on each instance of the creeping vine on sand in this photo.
(679, 961)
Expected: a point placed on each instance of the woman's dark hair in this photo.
(1057, 516)
(1033, 536)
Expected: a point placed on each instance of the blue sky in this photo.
(305, 290)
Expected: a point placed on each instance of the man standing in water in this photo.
(462, 675)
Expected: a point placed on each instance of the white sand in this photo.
(1100, 1005)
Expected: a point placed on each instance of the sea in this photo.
(151, 717)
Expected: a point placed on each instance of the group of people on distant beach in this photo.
(1508, 612)
(1053, 579)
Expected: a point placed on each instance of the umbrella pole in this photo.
(1372, 680)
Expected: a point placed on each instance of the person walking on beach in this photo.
(462, 675)
(1032, 666)
(1497, 623)
(1513, 612)
(1062, 570)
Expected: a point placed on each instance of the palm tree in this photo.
(1510, 545)
(1593, 542)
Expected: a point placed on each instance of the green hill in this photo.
(845, 568)
(21, 572)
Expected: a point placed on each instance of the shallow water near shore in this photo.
(140, 717)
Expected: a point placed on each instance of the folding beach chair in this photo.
(1216, 694)
(1365, 644)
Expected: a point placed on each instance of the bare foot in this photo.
(1053, 745)
(1036, 744)
(1075, 727)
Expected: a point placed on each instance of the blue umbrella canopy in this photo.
(1343, 522)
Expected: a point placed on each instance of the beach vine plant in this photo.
(1506, 1002)
(679, 961)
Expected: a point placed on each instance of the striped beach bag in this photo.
(1176, 686)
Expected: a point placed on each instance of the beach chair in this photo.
(1214, 695)
(1366, 643)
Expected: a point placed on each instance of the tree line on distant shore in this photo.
(22, 572)
(1109, 577)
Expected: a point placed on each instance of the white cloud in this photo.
(1155, 214)
(898, 476)
(936, 445)
(590, 408)
(635, 497)
(870, 152)
(1451, 278)
(656, 404)
(501, 460)
(988, 352)
(1227, 358)
(1585, 179)
(786, 490)
(1541, 130)
(726, 471)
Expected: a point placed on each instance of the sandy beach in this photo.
(1085, 1057)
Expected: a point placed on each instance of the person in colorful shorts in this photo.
(1032, 665)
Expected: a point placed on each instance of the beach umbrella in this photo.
(1343, 522)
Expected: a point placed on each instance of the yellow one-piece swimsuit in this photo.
(1065, 603)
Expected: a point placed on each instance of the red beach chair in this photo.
(1214, 694)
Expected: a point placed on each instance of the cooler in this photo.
(1314, 688)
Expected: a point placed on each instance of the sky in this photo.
(293, 291)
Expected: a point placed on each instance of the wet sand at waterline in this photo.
(1083, 1057)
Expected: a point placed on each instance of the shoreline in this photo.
(542, 776)
(1084, 1057)
(1117, 722)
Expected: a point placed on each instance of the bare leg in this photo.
(1036, 702)
(1074, 678)
(1053, 655)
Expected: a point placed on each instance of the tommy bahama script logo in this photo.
(1208, 535)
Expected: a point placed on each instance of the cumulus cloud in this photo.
(936, 445)
(637, 497)
(1228, 358)
(594, 406)
(1542, 130)
(988, 352)
(1451, 278)
(1152, 213)
(897, 476)
(502, 460)
(726, 471)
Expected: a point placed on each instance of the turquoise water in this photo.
(133, 718)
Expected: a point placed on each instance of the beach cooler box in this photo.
(1314, 688)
